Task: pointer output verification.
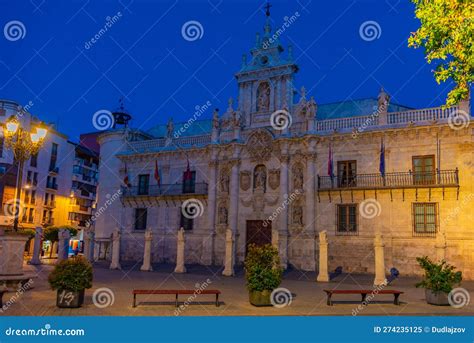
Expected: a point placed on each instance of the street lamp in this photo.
(24, 144)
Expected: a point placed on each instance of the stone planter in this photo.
(12, 247)
(436, 298)
(69, 299)
(260, 298)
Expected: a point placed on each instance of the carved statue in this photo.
(312, 108)
(169, 128)
(223, 215)
(383, 100)
(263, 97)
(224, 181)
(215, 119)
(297, 177)
(260, 177)
(298, 215)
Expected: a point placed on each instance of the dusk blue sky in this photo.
(144, 57)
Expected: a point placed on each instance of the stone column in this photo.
(35, 260)
(440, 246)
(275, 239)
(89, 244)
(115, 250)
(54, 248)
(284, 197)
(146, 266)
(323, 275)
(180, 267)
(233, 217)
(229, 254)
(211, 213)
(63, 245)
(379, 261)
(310, 194)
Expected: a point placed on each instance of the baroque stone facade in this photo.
(276, 167)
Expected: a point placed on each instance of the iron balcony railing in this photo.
(439, 178)
(166, 190)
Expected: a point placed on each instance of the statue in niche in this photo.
(297, 215)
(169, 128)
(260, 178)
(223, 215)
(224, 182)
(263, 97)
(297, 177)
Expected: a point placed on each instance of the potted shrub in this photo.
(70, 278)
(439, 279)
(12, 248)
(262, 272)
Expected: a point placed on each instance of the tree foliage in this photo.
(74, 274)
(262, 268)
(439, 277)
(447, 34)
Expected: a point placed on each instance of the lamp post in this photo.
(23, 144)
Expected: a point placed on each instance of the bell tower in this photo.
(265, 82)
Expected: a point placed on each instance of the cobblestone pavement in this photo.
(308, 296)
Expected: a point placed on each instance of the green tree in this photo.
(51, 234)
(447, 34)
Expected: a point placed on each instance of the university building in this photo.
(276, 167)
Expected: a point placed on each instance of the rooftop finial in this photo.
(267, 9)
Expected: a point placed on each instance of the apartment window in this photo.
(140, 218)
(189, 183)
(27, 197)
(34, 160)
(346, 173)
(35, 178)
(346, 219)
(425, 219)
(186, 223)
(46, 198)
(33, 197)
(54, 156)
(143, 183)
(423, 170)
(31, 215)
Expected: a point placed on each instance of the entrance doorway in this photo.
(257, 233)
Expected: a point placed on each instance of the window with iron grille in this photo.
(425, 219)
(423, 169)
(346, 219)
(140, 218)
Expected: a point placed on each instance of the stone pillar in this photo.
(323, 275)
(379, 261)
(35, 260)
(275, 239)
(115, 250)
(180, 267)
(63, 245)
(309, 185)
(233, 215)
(211, 213)
(283, 217)
(229, 254)
(89, 244)
(440, 246)
(146, 266)
(382, 108)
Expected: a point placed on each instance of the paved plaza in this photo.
(309, 298)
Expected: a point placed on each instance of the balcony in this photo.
(52, 186)
(397, 180)
(167, 191)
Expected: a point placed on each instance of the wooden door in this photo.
(257, 233)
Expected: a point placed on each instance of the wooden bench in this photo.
(175, 292)
(363, 293)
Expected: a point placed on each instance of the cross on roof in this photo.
(267, 9)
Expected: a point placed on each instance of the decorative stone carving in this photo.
(297, 215)
(260, 178)
(263, 97)
(274, 178)
(224, 181)
(223, 215)
(260, 146)
(298, 178)
(245, 180)
(169, 128)
(215, 119)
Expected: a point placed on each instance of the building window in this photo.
(140, 218)
(185, 223)
(2, 139)
(346, 219)
(346, 173)
(34, 160)
(425, 219)
(143, 184)
(54, 157)
(423, 170)
(189, 183)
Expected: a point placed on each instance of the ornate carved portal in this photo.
(260, 146)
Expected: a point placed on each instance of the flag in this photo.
(157, 174)
(330, 163)
(125, 179)
(188, 175)
(382, 159)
